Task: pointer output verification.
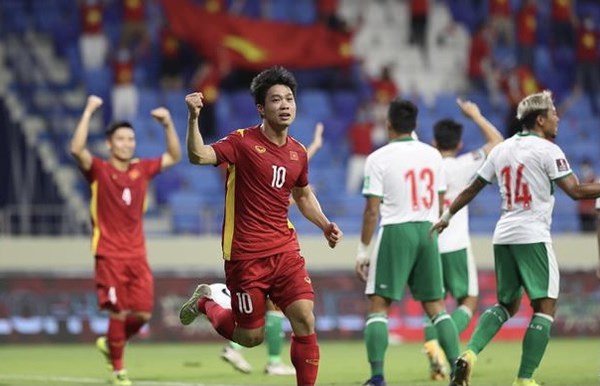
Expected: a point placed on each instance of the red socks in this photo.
(116, 342)
(133, 324)
(305, 358)
(220, 318)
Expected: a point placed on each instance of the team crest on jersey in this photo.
(293, 156)
(260, 149)
(134, 174)
(562, 165)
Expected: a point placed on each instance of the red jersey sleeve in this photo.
(226, 148)
(151, 166)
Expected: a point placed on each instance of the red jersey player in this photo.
(260, 246)
(124, 283)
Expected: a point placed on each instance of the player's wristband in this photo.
(362, 252)
(446, 216)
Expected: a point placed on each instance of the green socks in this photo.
(534, 344)
(489, 323)
(447, 335)
(376, 339)
(462, 316)
(274, 335)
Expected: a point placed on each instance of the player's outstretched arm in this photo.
(369, 222)
(78, 147)
(317, 141)
(463, 199)
(198, 152)
(173, 154)
(570, 185)
(488, 130)
(311, 209)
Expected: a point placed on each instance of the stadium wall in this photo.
(47, 292)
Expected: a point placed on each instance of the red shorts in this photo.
(124, 284)
(282, 277)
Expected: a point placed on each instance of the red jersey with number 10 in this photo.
(260, 178)
(117, 205)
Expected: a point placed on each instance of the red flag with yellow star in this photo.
(255, 44)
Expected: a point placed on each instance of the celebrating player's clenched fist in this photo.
(93, 103)
(194, 102)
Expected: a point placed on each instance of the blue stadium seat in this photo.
(303, 128)
(345, 103)
(186, 212)
(303, 12)
(205, 181)
(98, 81)
(279, 10)
(14, 17)
(315, 103)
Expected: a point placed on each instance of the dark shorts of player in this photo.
(124, 284)
(282, 277)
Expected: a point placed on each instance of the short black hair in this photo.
(447, 134)
(262, 82)
(529, 119)
(402, 115)
(110, 130)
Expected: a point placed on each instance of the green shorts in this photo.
(406, 254)
(532, 267)
(460, 273)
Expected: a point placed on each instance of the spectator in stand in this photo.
(562, 23)
(134, 33)
(384, 91)
(526, 33)
(384, 87)
(500, 15)
(419, 16)
(587, 61)
(586, 209)
(480, 70)
(361, 145)
(93, 44)
(171, 55)
(206, 80)
(327, 14)
(124, 94)
(517, 84)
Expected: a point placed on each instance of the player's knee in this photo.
(249, 340)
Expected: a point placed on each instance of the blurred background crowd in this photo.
(350, 57)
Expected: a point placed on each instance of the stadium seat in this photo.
(186, 208)
(314, 103)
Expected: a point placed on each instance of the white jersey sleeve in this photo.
(459, 172)
(556, 164)
(373, 178)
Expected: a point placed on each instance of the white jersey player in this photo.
(458, 265)
(526, 168)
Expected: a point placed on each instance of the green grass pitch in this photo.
(567, 362)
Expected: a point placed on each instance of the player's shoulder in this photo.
(247, 133)
(295, 144)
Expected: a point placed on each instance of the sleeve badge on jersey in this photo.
(562, 165)
(293, 156)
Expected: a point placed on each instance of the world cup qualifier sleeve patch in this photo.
(562, 165)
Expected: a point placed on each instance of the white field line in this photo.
(83, 380)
